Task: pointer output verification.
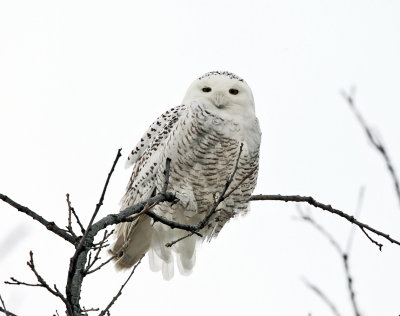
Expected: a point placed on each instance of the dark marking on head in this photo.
(228, 74)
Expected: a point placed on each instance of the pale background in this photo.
(80, 79)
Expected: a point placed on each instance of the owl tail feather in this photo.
(136, 239)
(133, 241)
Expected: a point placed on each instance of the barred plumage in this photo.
(202, 138)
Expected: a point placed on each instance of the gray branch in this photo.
(308, 199)
(345, 258)
(349, 97)
(4, 310)
(322, 296)
(49, 225)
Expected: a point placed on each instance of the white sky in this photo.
(79, 79)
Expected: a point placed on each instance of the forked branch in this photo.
(328, 208)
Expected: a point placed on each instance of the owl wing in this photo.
(146, 157)
(156, 133)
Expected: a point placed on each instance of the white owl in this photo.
(202, 137)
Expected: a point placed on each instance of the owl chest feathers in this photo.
(204, 149)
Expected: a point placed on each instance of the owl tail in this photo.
(133, 241)
(161, 257)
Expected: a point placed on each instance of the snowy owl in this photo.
(202, 137)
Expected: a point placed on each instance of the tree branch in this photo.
(4, 309)
(106, 310)
(326, 207)
(78, 260)
(102, 244)
(41, 281)
(49, 225)
(349, 97)
(345, 258)
(323, 297)
(72, 210)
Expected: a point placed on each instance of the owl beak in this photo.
(220, 100)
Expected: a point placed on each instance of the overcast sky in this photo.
(80, 79)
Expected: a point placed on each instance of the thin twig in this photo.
(72, 210)
(343, 255)
(69, 226)
(240, 183)
(49, 225)
(79, 259)
(350, 285)
(102, 264)
(106, 310)
(97, 254)
(92, 309)
(322, 296)
(326, 207)
(41, 281)
(170, 244)
(372, 240)
(349, 97)
(4, 309)
(100, 203)
(322, 230)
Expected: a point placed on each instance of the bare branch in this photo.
(349, 97)
(78, 260)
(17, 282)
(49, 225)
(372, 240)
(69, 225)
(240, 183)
(106, 310)
(72, 210)
(345, 259)
(41, 281)
(329, 208)
(92, 309)
(100, 203)
(322, 296)
(101, 245)
(323, 231)
(350, 284)
(4, 309)
(102, 264)
(170, 244)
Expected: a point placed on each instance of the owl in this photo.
(213, 130)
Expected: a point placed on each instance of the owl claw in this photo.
(176, 200)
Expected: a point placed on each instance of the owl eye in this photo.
(206, 89)
(233, 91)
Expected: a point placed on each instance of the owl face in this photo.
(221, 92)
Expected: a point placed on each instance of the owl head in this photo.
(222, 92)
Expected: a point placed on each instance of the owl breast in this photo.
(204, 149)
